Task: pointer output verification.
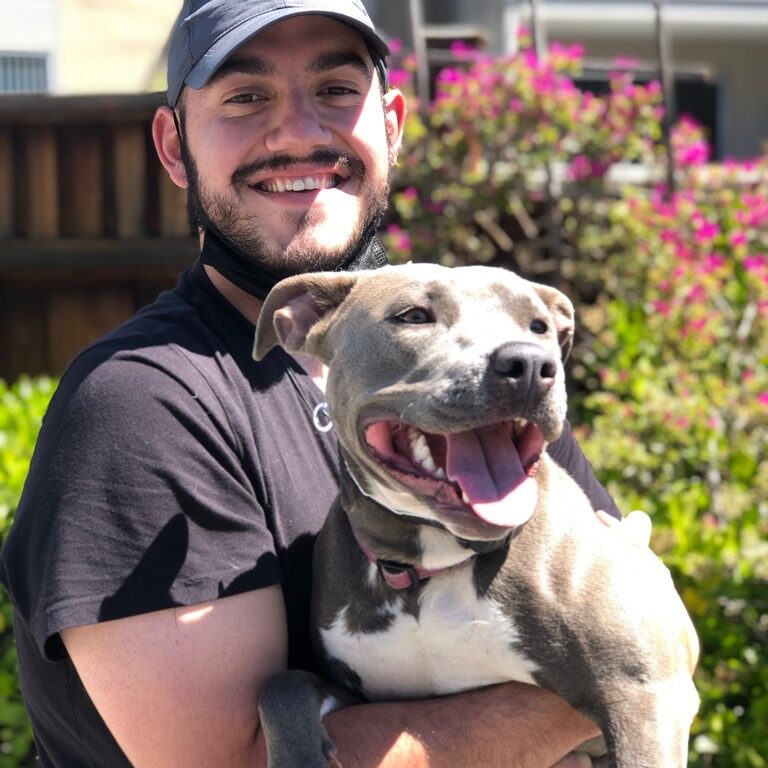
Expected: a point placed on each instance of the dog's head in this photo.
(444, 385)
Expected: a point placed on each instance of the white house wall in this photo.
(27, 26)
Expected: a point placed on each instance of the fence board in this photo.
(82, 169)
(173, 208)
(23, 340)
(7, 207)
(78, 317)
(39, 182)
(130, 164)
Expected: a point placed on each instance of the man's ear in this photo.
(168, 147)
(563, 314)
(297, 311)
(394, 121)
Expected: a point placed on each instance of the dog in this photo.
(459, 554)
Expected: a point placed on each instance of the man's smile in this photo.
(306, 183)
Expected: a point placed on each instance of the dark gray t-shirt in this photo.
(171, 469)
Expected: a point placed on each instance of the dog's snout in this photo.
(529, 366)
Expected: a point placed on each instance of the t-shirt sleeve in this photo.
(137, 500)
(568, 454)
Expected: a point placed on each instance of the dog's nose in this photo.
(531, 368)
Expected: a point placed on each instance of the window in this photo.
(23, 72)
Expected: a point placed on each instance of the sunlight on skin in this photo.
(193, 616)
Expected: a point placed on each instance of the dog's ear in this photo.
(295, 306)
(563, 314)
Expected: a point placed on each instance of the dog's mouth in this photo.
(488, 471)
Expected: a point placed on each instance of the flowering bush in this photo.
(514, 166)
(495, 128)
(679, 423)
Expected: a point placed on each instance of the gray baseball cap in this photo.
(207, 32)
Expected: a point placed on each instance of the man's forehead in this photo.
(313, 29)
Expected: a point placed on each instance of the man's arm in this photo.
(178, 689)
(512, 725)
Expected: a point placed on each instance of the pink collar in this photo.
(398, 575)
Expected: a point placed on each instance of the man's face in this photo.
(289, 147)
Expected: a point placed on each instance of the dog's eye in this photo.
(539, 326)
(416, 316)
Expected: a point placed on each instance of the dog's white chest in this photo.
(456, 642)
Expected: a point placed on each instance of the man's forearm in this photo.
(504, 726)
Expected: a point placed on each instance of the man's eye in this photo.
(539, 326)
(244, 98)
(416, 316)
(338, 90)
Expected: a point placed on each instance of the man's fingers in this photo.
(574, 760)
(635, 527)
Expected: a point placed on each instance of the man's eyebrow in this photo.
(241, 66)
(336, 59)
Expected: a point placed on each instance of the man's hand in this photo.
(635, 527)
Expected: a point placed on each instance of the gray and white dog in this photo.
(459, 554)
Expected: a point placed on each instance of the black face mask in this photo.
(258, 281)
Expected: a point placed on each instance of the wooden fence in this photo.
(91, 228)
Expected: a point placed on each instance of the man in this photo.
(159, 563)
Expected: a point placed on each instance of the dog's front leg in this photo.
(291, 708)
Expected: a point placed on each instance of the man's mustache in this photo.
(277, 163)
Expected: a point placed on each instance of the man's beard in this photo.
(208, 210)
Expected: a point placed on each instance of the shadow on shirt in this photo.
(157, 581)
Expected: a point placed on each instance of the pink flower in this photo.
(737, 238)
(401, 240)
(662, 307)
(395, 46)
(762, 398)
(696, 154)
(399, 77)
(624, 62)
(697, 293)
(461, 49)
(707, 232)
(449, 75)
(756, 263)
(712, 263)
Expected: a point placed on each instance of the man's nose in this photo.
(298, 126)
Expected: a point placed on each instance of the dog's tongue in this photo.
(486, 465)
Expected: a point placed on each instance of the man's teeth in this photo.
(422, 455)
(299, 185)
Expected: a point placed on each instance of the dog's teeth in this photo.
(439, 474)
(420, 451)
(428, 463)
(465, 498)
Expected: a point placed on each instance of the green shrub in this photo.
(22, 406)
(514, 167)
